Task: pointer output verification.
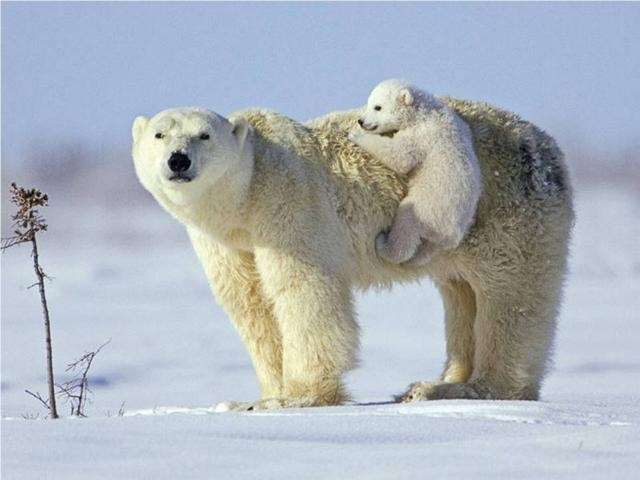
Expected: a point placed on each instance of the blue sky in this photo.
(81, 72)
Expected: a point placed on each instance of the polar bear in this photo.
(415, 134)
(283, 218)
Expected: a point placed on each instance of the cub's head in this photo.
(181, 153)
(392, 106)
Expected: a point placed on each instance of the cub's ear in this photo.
(240, 130)
(139, 124)
(405, 97)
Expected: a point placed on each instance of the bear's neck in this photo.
(220, 211)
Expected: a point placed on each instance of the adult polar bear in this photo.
(284, 216)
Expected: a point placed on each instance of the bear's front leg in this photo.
(236, 284)
(320, 337)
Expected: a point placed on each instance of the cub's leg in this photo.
(460, 312)
(405, 236)
(236, 285)
(313, 308)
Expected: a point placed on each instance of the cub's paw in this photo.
(423, 255)
(393, 252)
(419, 391)
(356, 135)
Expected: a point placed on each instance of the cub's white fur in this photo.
(416, 134)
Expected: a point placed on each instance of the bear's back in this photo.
(526, 191)
(357, 178)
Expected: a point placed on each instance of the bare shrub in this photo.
(27, 223)
(76, 392)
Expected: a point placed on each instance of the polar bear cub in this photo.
(417, 135)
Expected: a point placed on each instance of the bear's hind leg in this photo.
(513, 333)
(460, 312)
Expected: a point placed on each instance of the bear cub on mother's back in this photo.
(416, 134)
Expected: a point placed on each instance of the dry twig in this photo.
(76, 391)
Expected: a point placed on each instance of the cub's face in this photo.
(185, 150)
(388, 110)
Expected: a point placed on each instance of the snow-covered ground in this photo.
(128, 274)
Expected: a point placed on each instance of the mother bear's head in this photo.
(182, 153)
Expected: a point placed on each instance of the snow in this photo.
(128, 273)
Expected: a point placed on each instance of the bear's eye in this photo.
(377, 108)
(204, 136)
(159, 135)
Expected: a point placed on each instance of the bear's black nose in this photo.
(179, 162)
(360, 122)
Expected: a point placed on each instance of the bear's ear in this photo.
(240, 130)
(405, 97)
(139, 124)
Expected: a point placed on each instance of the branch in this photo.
(76, 390)
(38, 397)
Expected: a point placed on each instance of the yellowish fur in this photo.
(287, 231)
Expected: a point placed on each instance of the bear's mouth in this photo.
(389, 134)
(180, 178)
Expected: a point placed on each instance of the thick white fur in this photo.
(431, 144)
(283, 218)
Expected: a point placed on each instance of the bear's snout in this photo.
(179, 162)
(366, 126)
